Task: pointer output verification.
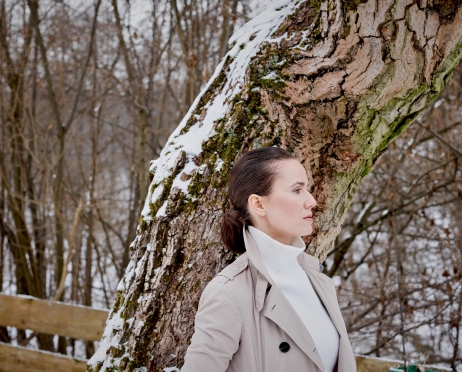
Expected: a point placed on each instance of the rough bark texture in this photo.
(333, 82)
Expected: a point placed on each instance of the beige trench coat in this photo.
(242, 321)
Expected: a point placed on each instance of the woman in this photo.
(271, 310)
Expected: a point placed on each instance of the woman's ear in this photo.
(256, 205)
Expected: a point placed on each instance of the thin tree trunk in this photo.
(227, 27)
(62, 129)
(334, 84)
(39, 226)
(455, 330)
(138, 101)
(95, 126)
(4, 335)
(22, 249)
(184, 37)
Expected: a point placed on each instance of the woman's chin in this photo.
(307, 231)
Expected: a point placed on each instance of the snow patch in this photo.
(138, 265)
(271, 76)
(108, 340)
(201, 169)
(121, 285)
(139, 325)
(218, 164)
(161, 211)
(127, 277)
(153, 165)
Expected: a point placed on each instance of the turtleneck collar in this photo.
(276, 256)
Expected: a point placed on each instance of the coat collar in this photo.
(276, 307)
(306, 261)
(254, 257)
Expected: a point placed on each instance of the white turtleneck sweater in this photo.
(282, 265)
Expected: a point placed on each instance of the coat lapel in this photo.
(325, 289)
(280, 311)
(276, 306)
(322, 286)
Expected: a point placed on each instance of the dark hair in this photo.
(253, 173)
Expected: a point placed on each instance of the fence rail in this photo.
(22, 359)
(56, 318)
(81, 322)
(50, 317)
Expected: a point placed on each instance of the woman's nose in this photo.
(311, 202)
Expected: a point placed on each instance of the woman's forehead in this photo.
(290, 171)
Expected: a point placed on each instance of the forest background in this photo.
(90, 93)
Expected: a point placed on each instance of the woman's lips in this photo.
(309, 218)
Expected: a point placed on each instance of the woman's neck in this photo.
(279, 236)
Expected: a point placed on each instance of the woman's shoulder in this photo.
(309, 262)
(227, 277)
(233, 269)
(231, 284)
(229, 274)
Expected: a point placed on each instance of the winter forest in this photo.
(120, 122)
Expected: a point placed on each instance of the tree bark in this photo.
(334, 83)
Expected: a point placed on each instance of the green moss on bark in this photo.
(352, 5)
(246, 112)
(308, 13)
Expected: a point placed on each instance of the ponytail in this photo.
(232, 231)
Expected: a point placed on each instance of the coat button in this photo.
(284, 347)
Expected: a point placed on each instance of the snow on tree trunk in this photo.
(334, 82)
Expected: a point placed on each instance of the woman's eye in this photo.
(297, 190)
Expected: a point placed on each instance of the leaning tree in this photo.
(334, 82)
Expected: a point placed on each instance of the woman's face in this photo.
(286, 211)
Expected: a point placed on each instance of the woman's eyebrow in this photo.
(298, 183)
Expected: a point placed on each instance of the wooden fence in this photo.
(81, 322)
(42, 316)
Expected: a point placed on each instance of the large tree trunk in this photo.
(332, 82)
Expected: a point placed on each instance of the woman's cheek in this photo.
(287, 205)
(290, 206)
